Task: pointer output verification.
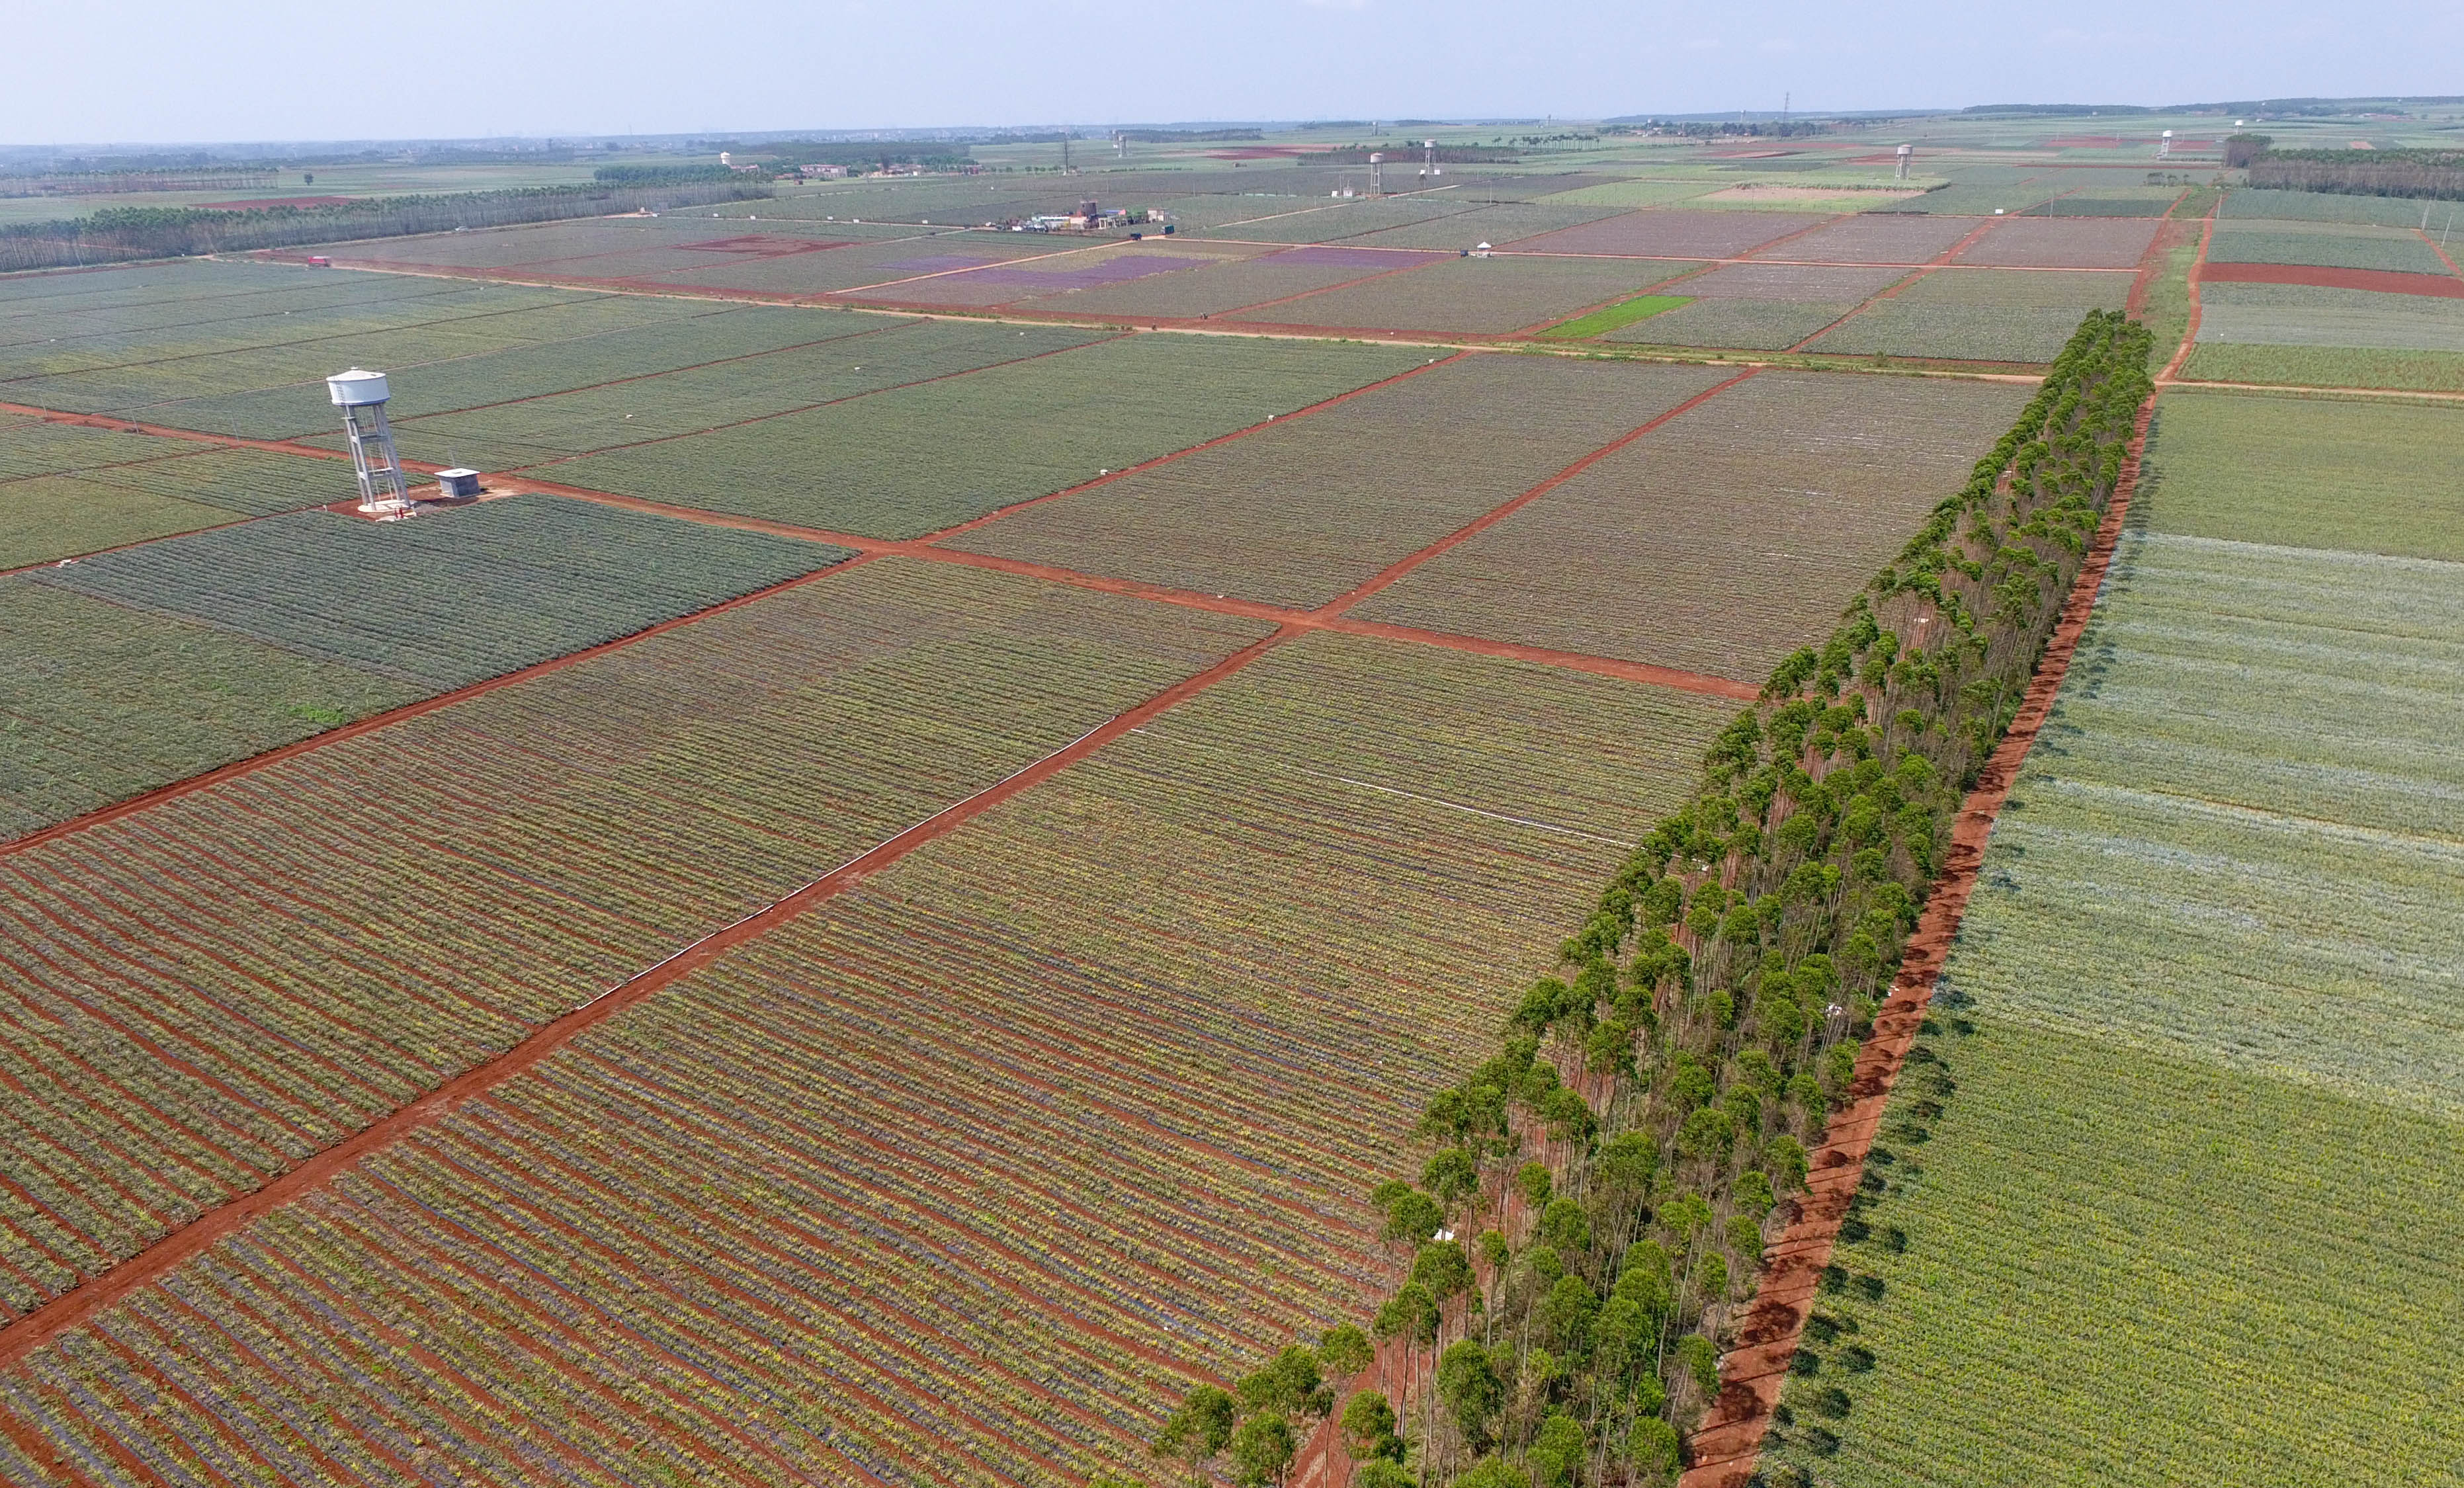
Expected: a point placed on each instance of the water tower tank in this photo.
(357, 389)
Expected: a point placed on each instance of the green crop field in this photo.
(2337, 207)
(2260, 243)
(105, 702)
(1665, 552)
(66, 489)
(1298, 513)
(292, 338)
(2374, 478)
(2326, 367)
(276, 960)
(888, 353)
(2304, 314)
(949, 1169)
(916, 459)
(1225, 285)
(1966, 314)
(451, 597)
(1617, 316)
(1751, 324)
(2208, 1121)
(1492, 297)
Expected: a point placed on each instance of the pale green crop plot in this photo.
(2373, 478)
(105, 702)
(2183, 1211)
(67, 490)
(2387, 212)
(2126, 1271)
(2305, 315)
(912, 460)
(2304, 243)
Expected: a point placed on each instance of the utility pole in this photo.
(1064, 152)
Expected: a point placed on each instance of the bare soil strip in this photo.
(2384, 282)
(1753, 1373)
(2198, 272)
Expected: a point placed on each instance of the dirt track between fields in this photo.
(1725, 1445)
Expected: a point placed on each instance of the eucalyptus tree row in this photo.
(1597, 1197)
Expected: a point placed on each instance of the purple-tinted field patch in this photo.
(1364, 258)
(935, 263)
(1113, 270)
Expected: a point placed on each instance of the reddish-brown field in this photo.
(2437, 286)
(1672, 550)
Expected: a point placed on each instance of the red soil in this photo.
(2198, 272)
(2384, 281)
(1755, 1372)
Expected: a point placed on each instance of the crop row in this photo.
(209, 990)
(66, 489)
(2063, 243)
(912, 460)
(135, 373)
(2301, 243)
(1302, 511)
(105, 703)
(452, 598)
(2197, 1158)
(582, 352)
(1673, 232)
(942, 1182)
(2376, 477)
(1666, 551)
(884, 353)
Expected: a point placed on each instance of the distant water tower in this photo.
(2165, 145)
(361, 396)
(1376, 174)
(1905, 152)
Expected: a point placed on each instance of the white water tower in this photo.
(361, 396)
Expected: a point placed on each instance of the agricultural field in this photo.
(2062, 243)
(213, 990)
(2385, 212)
(2371, 477)
(1227, 284)
(888, 353)
(834, 1210)
(1967, 315)
(2326, 336)
(1299, 514)
(1498, 225)
(1878, 238)
(1483, 297)
(1673, 232)
(1759, 306)
(2389, 249)
(66, 489)
(106, 702)
(2198, 1156)
(916, 459)
(449, 598)
(1666, 552)
(266, 343)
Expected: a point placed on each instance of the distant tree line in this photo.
(2437, 173)
(1596, 1200)
(663, 175)
(122, 234)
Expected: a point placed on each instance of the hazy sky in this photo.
(212, 70)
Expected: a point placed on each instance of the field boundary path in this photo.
(1726, 1444)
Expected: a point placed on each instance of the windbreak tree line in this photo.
(118, 234)
(1596, 1196)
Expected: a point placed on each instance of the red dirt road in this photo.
(2436, 286)
(1752, 1374)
